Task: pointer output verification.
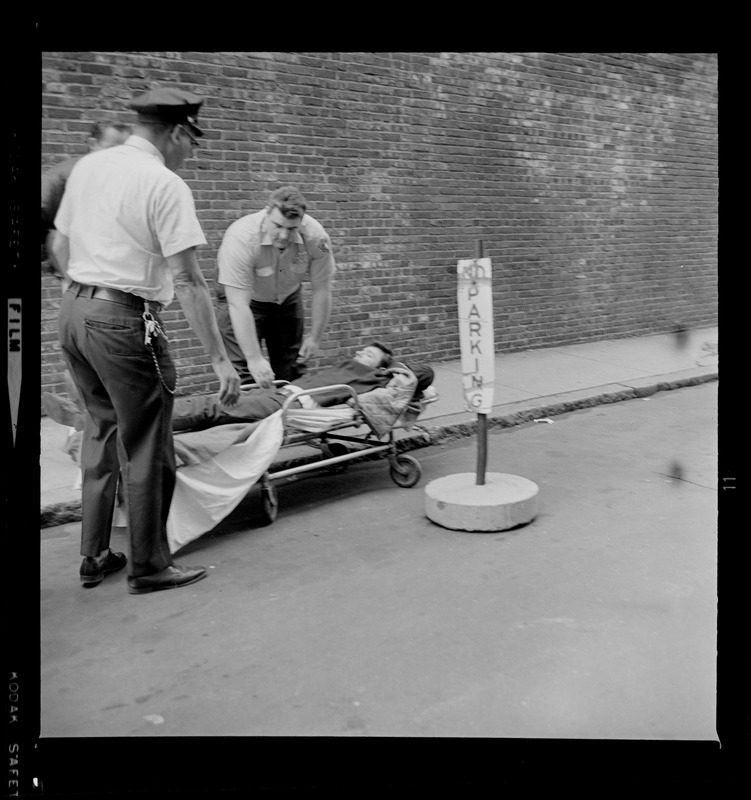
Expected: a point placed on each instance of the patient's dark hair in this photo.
(388, 354)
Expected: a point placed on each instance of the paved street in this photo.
(354, 615)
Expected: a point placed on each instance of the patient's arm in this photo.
(424, 375)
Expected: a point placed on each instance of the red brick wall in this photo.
(590, 178)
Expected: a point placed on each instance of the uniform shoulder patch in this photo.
(324, 245)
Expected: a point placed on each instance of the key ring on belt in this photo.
(153, 328)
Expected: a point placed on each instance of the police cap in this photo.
(172, 106)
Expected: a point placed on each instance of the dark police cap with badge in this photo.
(171, 106)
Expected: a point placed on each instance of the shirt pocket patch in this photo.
(300, 264)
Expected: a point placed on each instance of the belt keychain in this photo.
(153, 328)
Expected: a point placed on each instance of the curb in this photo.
(528, 411)
(466, 425)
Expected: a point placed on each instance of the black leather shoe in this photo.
(171, 577)
(95, 570)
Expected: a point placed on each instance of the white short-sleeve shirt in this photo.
(124, 213)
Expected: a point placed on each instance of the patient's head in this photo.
(374, 355)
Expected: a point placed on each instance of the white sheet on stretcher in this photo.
(205, 493)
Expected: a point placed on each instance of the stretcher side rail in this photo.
(300, 436)
(319, 439)
(365, 445)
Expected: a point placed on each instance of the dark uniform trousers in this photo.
(128, 428)
(279, 325)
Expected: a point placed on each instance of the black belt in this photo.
(112, 295)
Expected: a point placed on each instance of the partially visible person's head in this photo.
(375, 355)
(168, 119)
(107, 134)
(284, 213)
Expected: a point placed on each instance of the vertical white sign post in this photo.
(475, 303)
(494, 501)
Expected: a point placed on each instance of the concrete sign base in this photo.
(503, 501)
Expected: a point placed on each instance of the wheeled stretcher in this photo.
(332, 431)
(209, 488)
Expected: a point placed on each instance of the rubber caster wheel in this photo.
(405, 471)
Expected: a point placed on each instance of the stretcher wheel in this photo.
(270, 503)
(405, 471)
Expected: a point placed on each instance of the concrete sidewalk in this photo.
(529, 385)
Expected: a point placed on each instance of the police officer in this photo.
(102, 135)
(127, 238)
(262, 261)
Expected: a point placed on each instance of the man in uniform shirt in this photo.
(101, 136)
(262, 261)
(127, 238)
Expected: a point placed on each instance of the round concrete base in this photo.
(503, 501)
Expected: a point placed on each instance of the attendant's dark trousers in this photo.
(279, 325)
(128, 429)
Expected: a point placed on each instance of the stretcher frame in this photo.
(404, 470)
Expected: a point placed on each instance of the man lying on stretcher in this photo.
(370, 368)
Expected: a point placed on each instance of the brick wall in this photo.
(590, 178)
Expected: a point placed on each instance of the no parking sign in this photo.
(496, 501)
(475, 301)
